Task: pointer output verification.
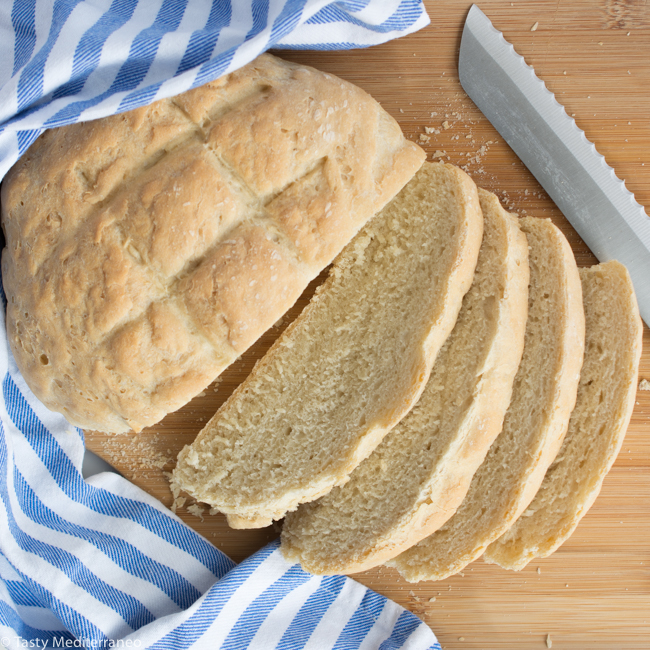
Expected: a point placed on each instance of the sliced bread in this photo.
(598, 423)
(543, 397)
(351, 365)
(418, 476)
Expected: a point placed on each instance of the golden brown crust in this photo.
(147, 250)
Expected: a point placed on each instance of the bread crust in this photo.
(441, 491)
(147, 250)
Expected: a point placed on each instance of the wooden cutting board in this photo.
(594, 592)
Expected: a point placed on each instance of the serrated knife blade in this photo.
(557, 152)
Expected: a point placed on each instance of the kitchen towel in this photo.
(99, 563)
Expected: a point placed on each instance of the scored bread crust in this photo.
(604, 405)
(147, 250)
(256, 460)
(544, 395)
(417, 477)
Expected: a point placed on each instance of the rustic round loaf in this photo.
(146, 251)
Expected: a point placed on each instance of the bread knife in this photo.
(566, 164)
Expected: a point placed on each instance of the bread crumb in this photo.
(539, 570)
(430, 129)
(534, 27)
(196, 510)
(432, 599)
(644, 384)
(461, 638)
(424, 138)
(179, 502)
(549, 641)
(439, 154)
(446, 125)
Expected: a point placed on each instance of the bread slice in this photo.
(598, 423)
(543, 397)
(418, 476)
(351, 365)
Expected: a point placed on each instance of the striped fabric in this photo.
(98, 563)
(67, 61)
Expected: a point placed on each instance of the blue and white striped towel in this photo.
(99, 563)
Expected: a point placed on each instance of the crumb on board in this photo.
(644, 384)
(141, 453)
(549, 641)
(196, 510)
(534, 27)
(173, 486)
(178, 502)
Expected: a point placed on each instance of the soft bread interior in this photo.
(419, 474)
(352, 364)
(543, 397)
(608, 379)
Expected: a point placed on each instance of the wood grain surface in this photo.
(594, 592)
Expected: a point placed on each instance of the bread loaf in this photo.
(418, 475)
(351, 365)
(543, 397)
(613, 332)
(147, 250)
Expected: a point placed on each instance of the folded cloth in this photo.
(99, 563)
